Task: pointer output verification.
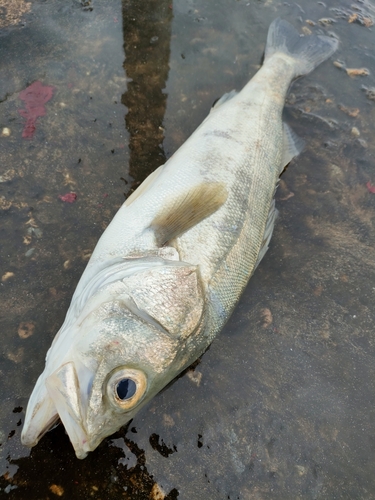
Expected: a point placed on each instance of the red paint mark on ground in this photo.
(68, 197)
(35, 96)
(105, 195)
(370, 187)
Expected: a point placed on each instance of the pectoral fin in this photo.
(187, 210)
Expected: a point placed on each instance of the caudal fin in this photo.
(308, 51)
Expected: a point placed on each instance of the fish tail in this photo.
(307, 51)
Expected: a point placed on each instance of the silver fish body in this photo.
(169, 269)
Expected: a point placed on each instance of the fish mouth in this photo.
(61, 396)
(63, 388)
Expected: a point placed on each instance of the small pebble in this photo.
(355, 132)
(26, 329)
(17, 356)
(301, 470)
(357, 71)
(370, 92)
(57, 490)
(362, 142)
(5, 204)
(194, 376)
(7, 276)
(266, 317)
(86, 255)
(9, 488)
(8, 175)
(36, 231)
(353, 112)
(30, 252)
(168, 420)
(326, 21)
(339, 64)
(5, 132)
(157, 493)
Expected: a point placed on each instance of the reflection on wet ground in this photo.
(282, 404)
(147, 39)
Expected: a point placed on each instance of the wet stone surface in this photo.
(282, 404)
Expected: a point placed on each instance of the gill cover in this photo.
(169, 297)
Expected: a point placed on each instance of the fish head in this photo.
(123, 353)
(100, 386)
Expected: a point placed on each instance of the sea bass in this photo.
(171, 266)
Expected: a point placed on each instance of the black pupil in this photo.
(126, 389)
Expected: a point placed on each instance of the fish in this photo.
(170, 267)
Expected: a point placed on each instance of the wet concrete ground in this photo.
(282, 404)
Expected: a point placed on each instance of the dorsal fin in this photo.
(224, 98)
(185, 211)
(142, 188)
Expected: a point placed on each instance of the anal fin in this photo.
(292, 145)
(272, 215)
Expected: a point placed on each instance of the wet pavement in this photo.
(282, 404)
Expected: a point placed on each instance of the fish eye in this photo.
(126, 387)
